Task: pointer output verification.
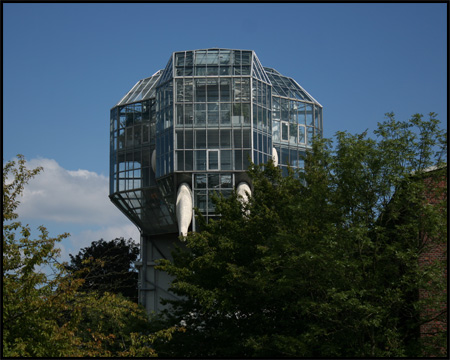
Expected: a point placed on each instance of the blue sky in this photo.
(65, 65)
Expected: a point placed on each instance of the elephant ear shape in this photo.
(184, 208)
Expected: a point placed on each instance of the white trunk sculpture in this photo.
(242, 191)
(275, 157)
(184, 208)
(153, 160)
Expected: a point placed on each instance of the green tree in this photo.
(319, 263)
(44, 311)
(108, 266)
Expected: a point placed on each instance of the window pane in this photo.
(137, 135)
(188, 160)
(309, 115)
(245, 89)
(212, 70)
(179, 59)
(180, 160)
(213, 114)
(225, 181)
(246, 158)
(180, 139)
(200, 114)
(237, 159)
(200, 160)
(310, 135)
(276, 130)
(213, 181)
(284, 131)
(200, 57)
(200, 139)
(200, 181)
(284, 104)
(237, 89)
(294, 157)
(189, 56)
(188, 139)
(246, 113)
(213, 139)
(316, 117)
(246, 57)
(293, 133)
(284, 156)
(260, 117)
(246, 138)
(225, 114)
(179, 114)
(224, 57)
(212, 57)
(224, 70)
(301, 134)
(179, 90)
(225, 89)
(200, 200)
(225, 138)
(188, 90)
(245, 70)
(200, 70)
(237, 139)
(237, 118)
(213, 90)
(200, 90)
(188, 114)
(225, 160)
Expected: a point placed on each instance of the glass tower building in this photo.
(190, 130)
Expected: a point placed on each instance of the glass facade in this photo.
(201, 121)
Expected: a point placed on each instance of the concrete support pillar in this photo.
(154, 284)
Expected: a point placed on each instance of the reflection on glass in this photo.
(213, 181)
(200, 139)
(225, 181)
(293, 133)
(225, 138)
(276, 130)
(301, 134)
(225, 160)
(284, 131)
(213, 139)
(225, 114)
(213, 160)
(200, 181)
(200, 160)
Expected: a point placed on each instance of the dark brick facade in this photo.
(435, 251)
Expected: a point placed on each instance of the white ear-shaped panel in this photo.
(242, 190)
(275, 157)
(153, 160)
(184, 208)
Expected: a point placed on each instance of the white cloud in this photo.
(60, 195)
(75, 201)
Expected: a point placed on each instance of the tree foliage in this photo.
(45, 313)
(108, 266)
(319, 263)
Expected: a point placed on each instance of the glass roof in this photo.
(281, 85)
(144, 89)
(287, 87)
(167, 73)
(258, 70)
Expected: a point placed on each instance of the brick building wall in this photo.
(435, 250)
